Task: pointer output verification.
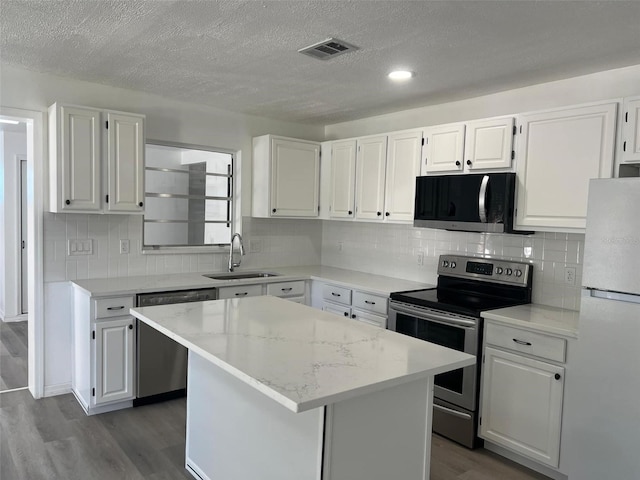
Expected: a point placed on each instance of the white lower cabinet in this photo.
(103, 352)
(293, 290)
(522, 395)
(362, 306)
(114, 360)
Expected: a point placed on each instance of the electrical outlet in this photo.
(124, 247)
(420, 258)
(570, 275)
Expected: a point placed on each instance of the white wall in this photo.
(13, 144)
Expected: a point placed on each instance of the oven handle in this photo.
(451, 411)
(432, 316)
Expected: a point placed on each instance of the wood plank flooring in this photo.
(52, 438)
(13, 355)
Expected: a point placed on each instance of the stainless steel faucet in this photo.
(233, 264)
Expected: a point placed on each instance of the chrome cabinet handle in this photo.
(116, 308)
(522, 342)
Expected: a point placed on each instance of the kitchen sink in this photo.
(240, 275)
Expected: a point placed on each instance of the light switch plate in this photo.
(80, 246)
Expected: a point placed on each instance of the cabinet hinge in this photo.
(423, 141)
(626, 117)
(106, 198)
(520, 128)
(480, 420)
(93, 392)
(318, 208)
(513, 154)
(515, 129)
(483, 358)
(516, 212)
(93, 335)
(624, 146)
(106, 124)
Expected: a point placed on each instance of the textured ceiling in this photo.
(242, 55)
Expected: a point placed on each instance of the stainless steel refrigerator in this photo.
(602, 406)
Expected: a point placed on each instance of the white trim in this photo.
(59, 389)
(13, 390)
(36, 173)
(23, 317)
(18, 227)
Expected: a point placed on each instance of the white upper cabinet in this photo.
(286, 177)
(558, 152)
(465, 147)
(96, 160)
(403, 166)
(489, 144)
(343, 179)
(443, 149)
(125, 153)
(370, 177)
(631, 131)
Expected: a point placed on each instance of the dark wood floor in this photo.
(52, 438)
(13, 355)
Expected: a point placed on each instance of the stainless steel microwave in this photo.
(472, 203)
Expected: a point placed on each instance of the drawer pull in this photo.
(335, 294)
(287, 289)
(369, 302)
(522, 342)
(116, 308)
(241, 294)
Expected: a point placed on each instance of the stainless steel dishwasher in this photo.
(162, 362)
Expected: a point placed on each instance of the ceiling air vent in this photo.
(329, 48)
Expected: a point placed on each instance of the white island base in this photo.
(235, 432)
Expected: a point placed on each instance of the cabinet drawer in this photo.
(286, 289)
(371, 319)
(532, 343)
(367, 301)
(112, 307)
(240, 291)
(336, 309)
(336, 294)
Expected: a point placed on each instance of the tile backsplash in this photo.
(393, 250)
(398, 250)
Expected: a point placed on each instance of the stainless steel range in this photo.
(449, 315)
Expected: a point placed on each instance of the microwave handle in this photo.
(482, 199)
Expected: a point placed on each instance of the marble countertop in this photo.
(378, 284)
(300, 357)
(541, 318)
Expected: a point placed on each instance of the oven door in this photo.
(458, 332)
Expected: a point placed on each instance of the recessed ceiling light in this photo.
(401, 75)
(10, 122)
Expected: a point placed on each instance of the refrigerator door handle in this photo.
(620, 297)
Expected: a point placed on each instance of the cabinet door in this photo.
(370, 318)
(336, 309)
(443, 148)
(403, 166)
(631, 131)
(370, 176)
(488, 144)
(558, 153)
(125, 162)
(295, 178)
(522, 405)
(114, 360)
(79, 173)
(343, 179)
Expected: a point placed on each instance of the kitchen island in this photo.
(278, 390)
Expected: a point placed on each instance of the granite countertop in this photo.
(378, 284)
(541, 318)
(300, 357)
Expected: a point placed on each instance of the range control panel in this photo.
(489, 269)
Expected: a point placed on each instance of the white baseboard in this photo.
(543, 469)
(59, 389)
(16, 318)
